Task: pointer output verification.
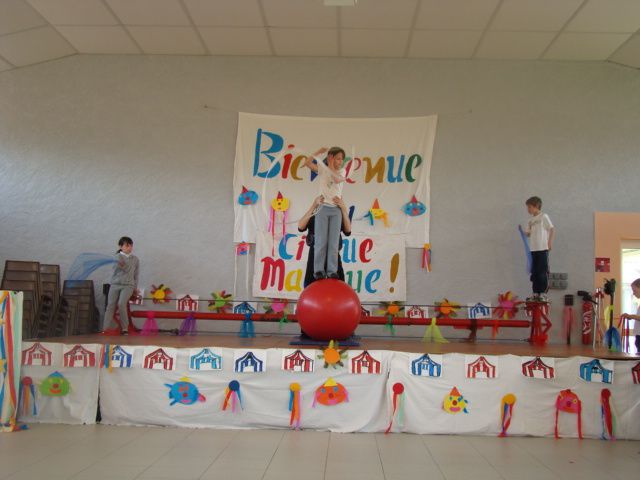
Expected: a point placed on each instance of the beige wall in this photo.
(611, 230)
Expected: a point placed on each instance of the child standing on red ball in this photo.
(328, 217)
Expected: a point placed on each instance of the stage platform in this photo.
(184, 381)
(398, 344)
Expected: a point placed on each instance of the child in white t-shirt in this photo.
(541, 233)
(635, 288)
(328, 218)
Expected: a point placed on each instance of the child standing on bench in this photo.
(124, 282)
(541, 233)
(328, 217)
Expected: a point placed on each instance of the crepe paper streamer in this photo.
(433, 334)
(184, 392)
(283, 320)
(246, 328)
(527, 249)
(607, 415)
(55, 385)
(242, 249)
(107, 351)
(221, 303)
(161, 293)
(446, 309)
(330, 393)
(455, 402)
(188, 326)
(426, 257)
(150, 326)
(87, 263)
(280, 204)
(247, 197)
(397, 411)
(389, 325)
(612, 336)
(27, 397)
(414, 208)
(506, 413)
(233, 397)
(294, 405)
(10, 361)
(568, 402)
(332, 356)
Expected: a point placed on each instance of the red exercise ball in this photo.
(328, 309)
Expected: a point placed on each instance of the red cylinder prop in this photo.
(328, 310)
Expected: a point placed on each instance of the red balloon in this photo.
(328, 309)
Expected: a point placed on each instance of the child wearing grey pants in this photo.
(326, 240)
(123, 283)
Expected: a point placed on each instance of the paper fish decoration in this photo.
(568, 402)
(455, 402)
(330, 393)
(377, 213)
(414, 208)
(506, 412)
(332, 356)
(184, 392)
(161, 293)
(247, 197)
(55, 385)
(294, 405)
(398, 405)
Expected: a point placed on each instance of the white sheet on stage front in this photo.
(135, 396)
(139, 397)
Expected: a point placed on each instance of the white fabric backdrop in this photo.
(361, 138)
(368, 274)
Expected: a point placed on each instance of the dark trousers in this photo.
(540, 271)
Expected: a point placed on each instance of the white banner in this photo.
(388, 164)
(374, 266)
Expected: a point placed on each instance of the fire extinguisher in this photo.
(588, 305)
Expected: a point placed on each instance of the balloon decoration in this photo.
(232, 397)
(397, 411)
(184, 392)
(294, 405)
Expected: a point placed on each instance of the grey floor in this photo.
(103, 452)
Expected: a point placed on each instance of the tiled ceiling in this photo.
(34, 31)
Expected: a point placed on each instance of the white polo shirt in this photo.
(538, 229)
(331, 182)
